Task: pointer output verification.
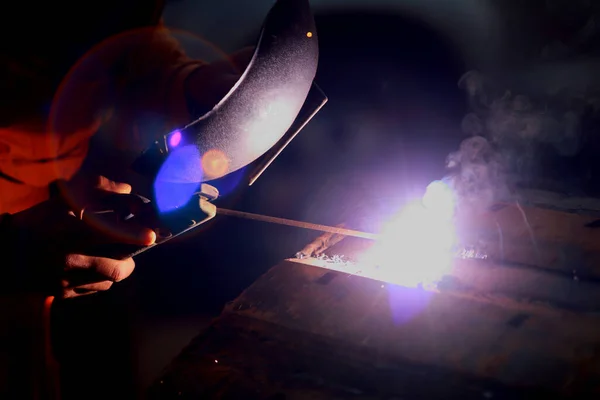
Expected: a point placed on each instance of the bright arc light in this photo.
(415, 247)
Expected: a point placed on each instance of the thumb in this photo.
(106, 217)
(84, 189)
(107, 185)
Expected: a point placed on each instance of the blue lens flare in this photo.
(229, 182)
(407, 303)
(178, 179)
(170, 196)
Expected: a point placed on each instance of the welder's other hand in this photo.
(84, 189)
(206, 86)
(56, 252)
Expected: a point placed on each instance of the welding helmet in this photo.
(252, 120)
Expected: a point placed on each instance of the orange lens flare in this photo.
(215, 164)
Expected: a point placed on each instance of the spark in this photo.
(530, 230)
(500, 240)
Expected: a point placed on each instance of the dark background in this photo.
(390, 70)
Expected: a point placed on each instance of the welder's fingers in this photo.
(114, 270)
(83, 270)
(97, 232)
(239, 60)
(83, 290)
(109, 231)
(87, 182)
(107, 185)
(233, 64)
(84, 189)
(210, 83)
(87, 274)
(120, 204)
(101, 286)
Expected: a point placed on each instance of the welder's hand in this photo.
(56, 252)
(210, 83)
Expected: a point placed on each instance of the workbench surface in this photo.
(491, 329)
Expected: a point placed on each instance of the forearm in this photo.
(156, 73)
(204, 87)
(176, 86)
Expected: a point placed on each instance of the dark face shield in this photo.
(255, 115)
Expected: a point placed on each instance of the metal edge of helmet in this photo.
(256, 113)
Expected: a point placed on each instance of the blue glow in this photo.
(170, 196)
(407, 303)
(229, 182)
(178, 179)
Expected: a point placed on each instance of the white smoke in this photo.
(543, 108)
(477, 174)
(510, 118)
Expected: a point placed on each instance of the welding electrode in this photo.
(297, 224)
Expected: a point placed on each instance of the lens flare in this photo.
(175, 139)
(170, 190)
(214, 164)
(230, 182)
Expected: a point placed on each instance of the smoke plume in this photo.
(535, 123)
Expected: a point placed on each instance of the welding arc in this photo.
(297, 224)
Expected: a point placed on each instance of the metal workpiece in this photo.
(315, 327)
(321, 244)
(302, 331)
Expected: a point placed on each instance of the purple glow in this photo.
(175, 139)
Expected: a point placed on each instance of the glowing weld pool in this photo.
(417, 246)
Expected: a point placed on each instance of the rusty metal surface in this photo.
(320, 244)
(550, 238)
(491, 329)
(245, 358)
(526, 284)
(295, 308)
